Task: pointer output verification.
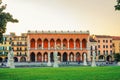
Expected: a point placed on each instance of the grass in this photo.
(62, 73)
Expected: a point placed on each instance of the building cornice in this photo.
(58, 32)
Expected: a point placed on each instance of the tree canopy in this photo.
(117, 7)
(5, 17)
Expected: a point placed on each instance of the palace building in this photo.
(70, 45)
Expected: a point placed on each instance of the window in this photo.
(91, 48)
(95, 47)
(17, 54)
(110, 52)
(106, 41)
(20, 54)
(103, 46)
(110, 41)
(106, 52)
(106, 46)
(103, 41)
(98, 41)
(98, 46)
(110, 46)
(91, 53)
(99, 52)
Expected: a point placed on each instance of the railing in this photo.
(59, 49)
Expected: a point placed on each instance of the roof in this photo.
(103, 36)
(116, 37)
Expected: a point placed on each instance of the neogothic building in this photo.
(70, 45)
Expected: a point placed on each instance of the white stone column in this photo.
(61, 45)
(68, 45)
(55, 45)
(35, 57)
(68, 58)
(48, 45)
(74, 45)
(74, 58)
(81, 45)
(42, 57)
(42, 44)
(35, 44)
(61, 58)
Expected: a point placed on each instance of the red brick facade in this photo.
(70, 45)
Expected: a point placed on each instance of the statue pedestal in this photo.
(118, 63)
(93, 64)
(55, 59)
(10, 63)
(49, 64)
(85, 63)
(55, 65)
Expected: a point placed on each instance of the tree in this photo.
(117, 57)
(5, 17)
(117, 7)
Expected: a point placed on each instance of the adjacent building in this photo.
(104, 48)
(19, 46)
(5, 47)
(116, 44)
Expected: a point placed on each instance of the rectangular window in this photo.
(106, 46)
(98, 46)
(98, 41)
(106, 41)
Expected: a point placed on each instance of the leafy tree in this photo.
(117, 7)
(5, 17)
(117, 57)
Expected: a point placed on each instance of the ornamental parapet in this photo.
(58, 32)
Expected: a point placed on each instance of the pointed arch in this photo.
(32, 43)
(77, 43)
(32, 57)
(58, 43)
(39, 43)
(39, 57)
(52, 43)
(78, 57)
(45, 57)
(71, 43)
(71, 57)
(84, 43)
(46, 43)
(15, 59)
(22, 59)
(64, 57)
(65, 44)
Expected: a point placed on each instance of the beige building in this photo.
(116, 44)
(19, 45)
(104, 48)
(5, 47)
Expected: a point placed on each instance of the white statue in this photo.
(49, 63)
(55, 59)
(93, 60)
(85, 63)
(10, 61)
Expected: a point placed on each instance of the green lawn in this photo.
(62, 73)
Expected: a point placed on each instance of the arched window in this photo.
(32, 43)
